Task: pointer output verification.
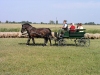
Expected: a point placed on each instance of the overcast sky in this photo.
(45, 10)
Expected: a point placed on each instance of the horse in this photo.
(36, 33)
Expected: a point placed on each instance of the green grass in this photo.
(54, 27)
(93, 30)
(10, 29)
(18, 59)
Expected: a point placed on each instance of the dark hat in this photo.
(65, 21)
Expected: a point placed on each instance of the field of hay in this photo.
(18, 59)
(46, 25)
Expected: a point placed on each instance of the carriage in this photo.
(77, 35)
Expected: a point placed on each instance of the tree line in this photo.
(50, 22)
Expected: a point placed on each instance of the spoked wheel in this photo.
(62, 42)
(76, 42)
(82, 42)
(86, 42)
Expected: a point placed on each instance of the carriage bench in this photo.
(77, 33)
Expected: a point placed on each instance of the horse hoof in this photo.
(44, 45)
(27, 44)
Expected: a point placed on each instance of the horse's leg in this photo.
(50, 41)
(28, 41)
(45, 41)
(33, 40)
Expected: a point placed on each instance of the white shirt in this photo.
(65, 25)
(80, 27)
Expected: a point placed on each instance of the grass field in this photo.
(45, 26)
(18, 59)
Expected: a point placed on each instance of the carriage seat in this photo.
(77, 33)
(80, 30)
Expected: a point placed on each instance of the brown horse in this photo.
(36, 33)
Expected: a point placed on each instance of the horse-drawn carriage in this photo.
(77, 35)
(45, 33)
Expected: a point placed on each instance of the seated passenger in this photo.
(80, 27)
(65, 26)
(72, 27)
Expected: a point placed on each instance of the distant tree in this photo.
(13, 22)
(90, 23)
(56, 21)
(7, 21)
(52, 22)
(98, 24)
(42, 23)
(34, 23)
(26, 22)
(0, 21)
(85, 23)
(23, 22)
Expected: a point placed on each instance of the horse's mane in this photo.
(26, 24)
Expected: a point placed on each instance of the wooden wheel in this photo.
(82, 42)
(62, 42)
(86, 42)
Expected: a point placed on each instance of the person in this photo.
(80, 27)
(72, 27)
(65, 26)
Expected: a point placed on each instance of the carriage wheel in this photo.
(77, 42)
(87, 42)
(82, 42)
(62, 42)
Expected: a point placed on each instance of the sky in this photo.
(74, 11)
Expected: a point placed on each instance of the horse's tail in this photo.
(54, 35)
(50, 33)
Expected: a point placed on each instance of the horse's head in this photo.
(25, 27)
